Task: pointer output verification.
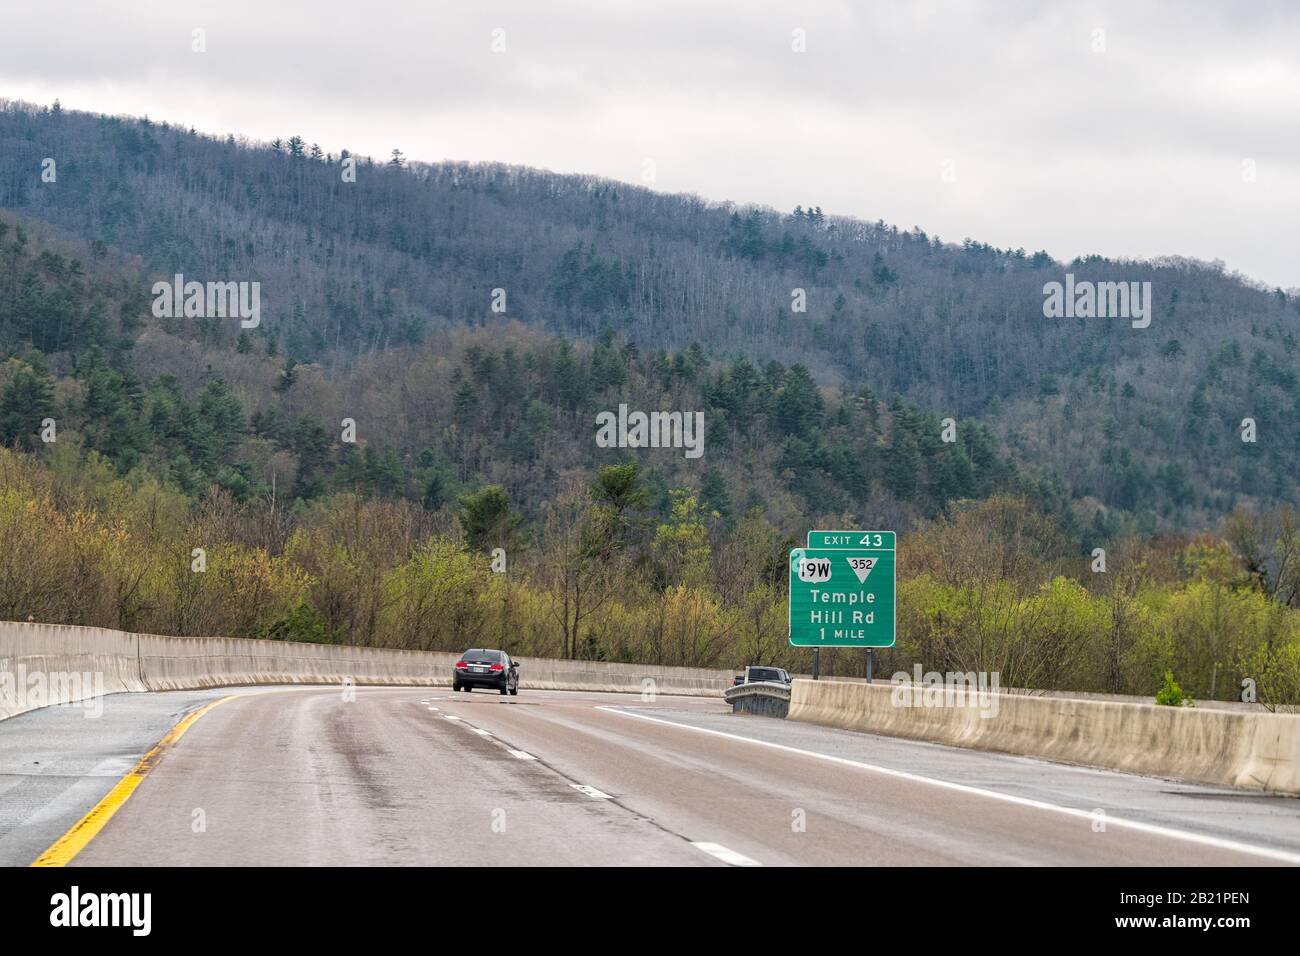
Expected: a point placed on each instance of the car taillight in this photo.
(460, 664)
(496, 667)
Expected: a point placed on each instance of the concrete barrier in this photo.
(543, 674)
(172, 663)
(178, 663)
(1257, 751)
(42, 664)
(50, 663)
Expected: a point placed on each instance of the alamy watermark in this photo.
(1098, 300)
(212, 300)
(653, 430)
(74, 908)
(951, 689)
(21, 690)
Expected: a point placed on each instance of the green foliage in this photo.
(584, 280)
(1170, 694)
(485, 518)
(303, 623)
(431, 600)
(26, 401)
(988, 587)
(681, 543)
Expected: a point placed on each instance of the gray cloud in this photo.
(1133, 151)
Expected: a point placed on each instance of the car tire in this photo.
(467, 688)
(515, 690)
(505, 689)
(456, 688)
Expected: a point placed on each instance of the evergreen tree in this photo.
(485, 518)
(26, 401)
(465, 404)
(713, 493)
(799, 404)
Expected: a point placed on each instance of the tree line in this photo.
(991, 585)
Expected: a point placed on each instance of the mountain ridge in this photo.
(1141, 421)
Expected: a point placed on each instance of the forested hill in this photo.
(511, 406)
(380, 280)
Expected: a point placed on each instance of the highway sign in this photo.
(843, 596)
(851, 539)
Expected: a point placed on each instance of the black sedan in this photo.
(483, 667)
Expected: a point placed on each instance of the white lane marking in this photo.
(433, 709)
(590, 791)
(453, 717)
(520, 755)
(730, 857)
(481, 733)
(1151, 828)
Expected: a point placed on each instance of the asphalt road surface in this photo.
(425, 776)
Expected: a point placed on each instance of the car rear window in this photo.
(490, 657)
(764, 673)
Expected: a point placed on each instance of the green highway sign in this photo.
(851, 539)
(843, 596)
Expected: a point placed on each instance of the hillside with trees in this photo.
(1143, 422)
(512, 406)
(348, 464)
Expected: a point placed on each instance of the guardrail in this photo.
(768, 698)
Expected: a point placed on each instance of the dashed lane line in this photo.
(730, 857)
(591, 791)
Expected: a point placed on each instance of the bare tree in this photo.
(1269, 543)
(581, 567)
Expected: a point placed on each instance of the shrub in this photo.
(1170, 695)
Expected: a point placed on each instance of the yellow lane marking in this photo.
(86, 829)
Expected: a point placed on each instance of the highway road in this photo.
(425, 776)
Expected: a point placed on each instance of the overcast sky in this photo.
(1136, 142)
